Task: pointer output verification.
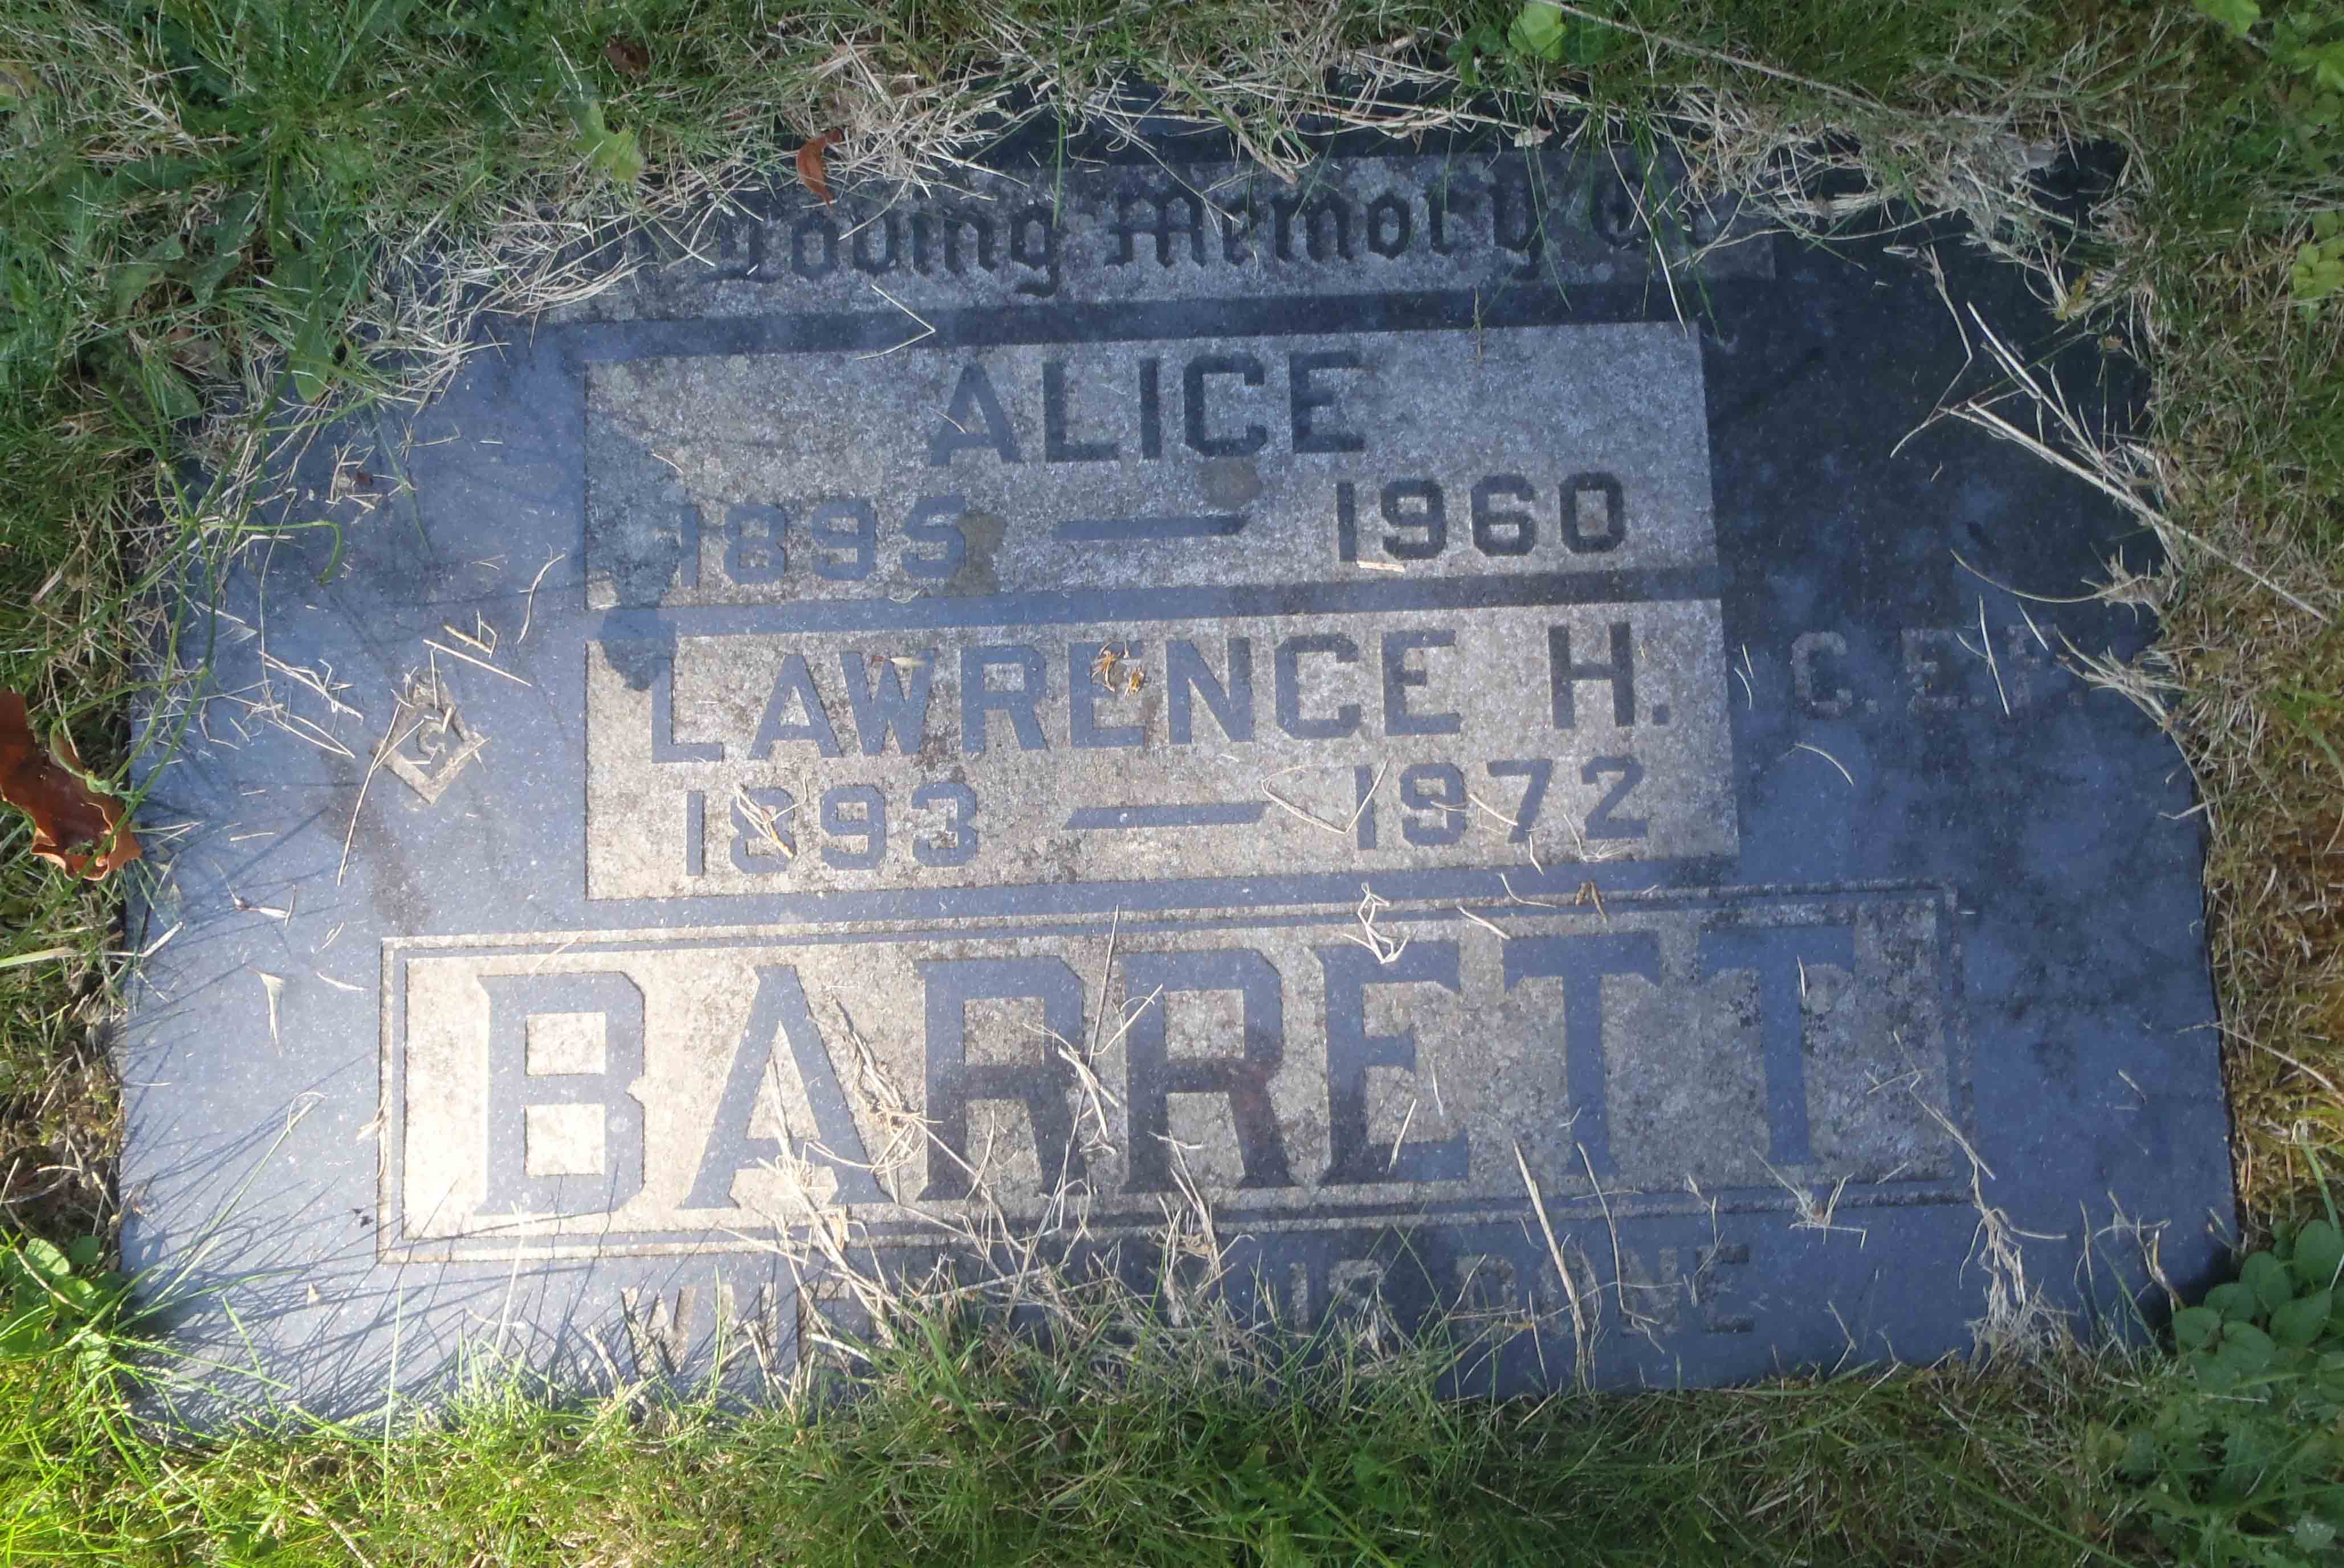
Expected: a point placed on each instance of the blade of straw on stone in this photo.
(1981, 415)
(1562, 1267)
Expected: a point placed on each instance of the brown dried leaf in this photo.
(69, 819)
(627, 57)
(191, 351)
(814, 169)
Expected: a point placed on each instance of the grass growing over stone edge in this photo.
(199, 205)
(978, 1450)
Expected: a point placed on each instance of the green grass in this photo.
(199, 203)
(980, 1451)
(1127, 1437)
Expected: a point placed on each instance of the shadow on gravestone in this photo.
(1523, 780)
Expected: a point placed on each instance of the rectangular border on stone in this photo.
(1108, 1217)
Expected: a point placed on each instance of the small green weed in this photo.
(2319, 270)
(1545, 31)
(614, 152)
(1541, 31)
(2243, 1461)
(2298, 85)
(58, 1303)
(2305, 38)
(2302, 79)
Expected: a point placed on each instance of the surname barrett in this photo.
(664, 1091)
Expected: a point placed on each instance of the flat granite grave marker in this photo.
(1373, 700)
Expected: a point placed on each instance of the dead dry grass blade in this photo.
(2105, 467)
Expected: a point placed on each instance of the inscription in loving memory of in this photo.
(1219, 230)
